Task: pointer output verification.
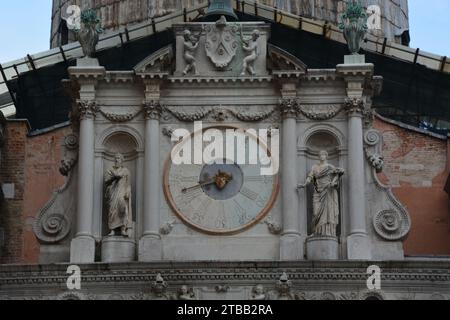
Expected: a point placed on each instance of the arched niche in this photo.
(315, 142)
(126, 144)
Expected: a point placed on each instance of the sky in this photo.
(25, 27)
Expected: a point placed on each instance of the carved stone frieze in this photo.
(167, 227)
(53, 222)
(372, 137)
(392, 224)
(354, 105)
(87, 109)
(289, 107)
(152, 109)
(70, 157)
(220, 114)
(221, 42)
(274, 227)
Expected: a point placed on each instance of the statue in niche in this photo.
(118, 195)
(250, 46)
(325, 178)
(190, 46)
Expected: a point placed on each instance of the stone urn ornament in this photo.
(88, 35)
(354, 25)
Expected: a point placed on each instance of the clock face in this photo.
(220, 198)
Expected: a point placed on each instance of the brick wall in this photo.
(416, 167)
(43, 159)
(31, 164)
(12, 173)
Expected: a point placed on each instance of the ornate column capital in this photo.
(289, 107)
(152, 109)
(87, 109)
(354, 106)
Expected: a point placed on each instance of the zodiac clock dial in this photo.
(221, 198)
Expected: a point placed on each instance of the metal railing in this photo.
(11, 70)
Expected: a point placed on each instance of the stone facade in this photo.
(230, 281)
(114, 14)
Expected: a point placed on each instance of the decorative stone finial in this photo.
(354, 25)
(88, 35)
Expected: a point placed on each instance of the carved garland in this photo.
(219, 114)
(289, 107)
(119, 118)
(190, 117)
(252, 116)
(313, 114)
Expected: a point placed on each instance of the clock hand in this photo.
(201, 184)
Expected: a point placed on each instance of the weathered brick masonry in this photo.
(416, 166)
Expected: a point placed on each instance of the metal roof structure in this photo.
(416, 83)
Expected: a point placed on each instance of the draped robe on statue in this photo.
(326, 199)
(118, 193)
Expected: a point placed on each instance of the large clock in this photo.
(221, 197)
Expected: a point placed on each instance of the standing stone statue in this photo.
(190, 45)
(118, 194)
(251, 47)
(325, 178)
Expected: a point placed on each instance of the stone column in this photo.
(355, 75)
(150, 245)
(291, 241)
(83, 245)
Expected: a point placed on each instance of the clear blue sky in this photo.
(25, 27)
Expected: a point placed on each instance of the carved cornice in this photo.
(87, 109)
(289, 107)
(215, 80)
(153, 109)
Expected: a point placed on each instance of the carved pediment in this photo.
(159, 63)
(284, 64)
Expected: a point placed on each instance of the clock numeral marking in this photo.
(254, 178)
(187, 198)
(260, 179)
(221, 221)
(250, 194)
(200, 212)
(261, 202)
(188, 179)
(241, 212)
